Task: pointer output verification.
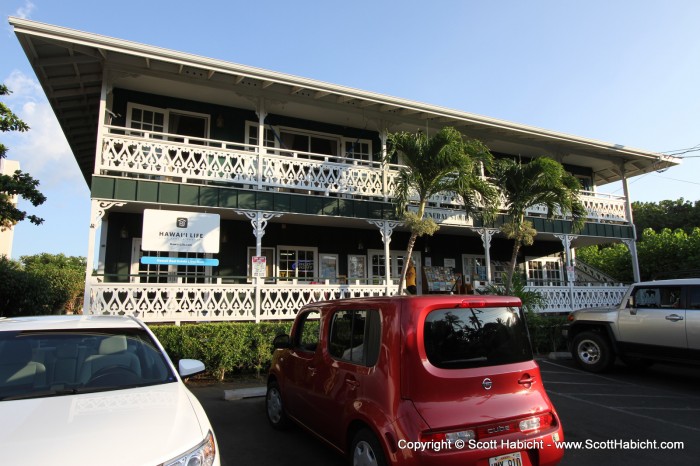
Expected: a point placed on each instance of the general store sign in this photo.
(171, 230)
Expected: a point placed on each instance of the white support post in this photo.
(486, 234)
(383, 137)
(631, 245)
(566, 241)
(262, 114)
(258, 220)
(97, 213)
(386, 228)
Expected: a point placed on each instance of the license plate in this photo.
(511, 459)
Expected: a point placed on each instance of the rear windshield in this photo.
(476, 337)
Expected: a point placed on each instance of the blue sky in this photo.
(625, 72)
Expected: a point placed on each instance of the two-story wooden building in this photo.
(289, 169)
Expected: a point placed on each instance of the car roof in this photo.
(66, 322)
(424, 300)
(677, 281)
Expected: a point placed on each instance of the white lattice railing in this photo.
(127, 152)
(559, 298)
(165, 302)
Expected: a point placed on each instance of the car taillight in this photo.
(452, 437)
(570, 317)
(526, 425)
(536, 423)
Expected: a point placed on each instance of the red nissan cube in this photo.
(420, 380)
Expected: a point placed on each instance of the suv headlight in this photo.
(201, 455)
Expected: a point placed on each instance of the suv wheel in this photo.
(366, 450)
(274, 407)
(592, 352)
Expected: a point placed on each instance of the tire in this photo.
(592, 352)
(274, 407)
(366, 450)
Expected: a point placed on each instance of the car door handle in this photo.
(526, 380)
(674, 318)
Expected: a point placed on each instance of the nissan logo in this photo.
(487, 384)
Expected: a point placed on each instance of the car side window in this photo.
(655, 297)
(355, 336)
(308, 331)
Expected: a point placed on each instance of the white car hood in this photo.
(138, 426)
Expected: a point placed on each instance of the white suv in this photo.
(96, 391)
(656, 321)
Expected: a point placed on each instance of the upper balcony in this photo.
(169, 157)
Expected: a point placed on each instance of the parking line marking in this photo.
(643, 416)
(627, 395)
(551, 382)
(615, 381)
(663, 409)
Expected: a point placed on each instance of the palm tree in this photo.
(542, 181)
(441, 163)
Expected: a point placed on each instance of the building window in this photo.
(297, 262)
(147, 118)
(544, 271)
(360, 149)
(153, 273)
(252, 136)
(298, 141)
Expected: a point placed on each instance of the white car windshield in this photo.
(64, 362)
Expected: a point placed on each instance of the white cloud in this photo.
(43, 151)
(26, 10)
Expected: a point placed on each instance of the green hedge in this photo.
(229, 348)
(224, 348)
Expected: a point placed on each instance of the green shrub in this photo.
(224, 348)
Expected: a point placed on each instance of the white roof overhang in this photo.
(72, 67)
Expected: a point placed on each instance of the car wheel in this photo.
(366, 450)
(274, 407)
(592, 352)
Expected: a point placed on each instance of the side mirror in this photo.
(281, 341)
(189, 367)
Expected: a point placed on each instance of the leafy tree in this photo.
(18, 184)
(433, 165)
(542, 181)
(666, 214)
(666, 254)
(612, 259)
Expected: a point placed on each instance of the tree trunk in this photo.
(407, 259)
(511, 266)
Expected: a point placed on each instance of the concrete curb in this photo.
(560, 355)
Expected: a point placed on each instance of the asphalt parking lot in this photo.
(621, 417)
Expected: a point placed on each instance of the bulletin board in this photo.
(439, 279)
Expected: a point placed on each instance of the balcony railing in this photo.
(135, 153)
(174, 302)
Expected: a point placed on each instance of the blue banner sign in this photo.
(179, 261)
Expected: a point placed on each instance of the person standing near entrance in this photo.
(411, 278)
